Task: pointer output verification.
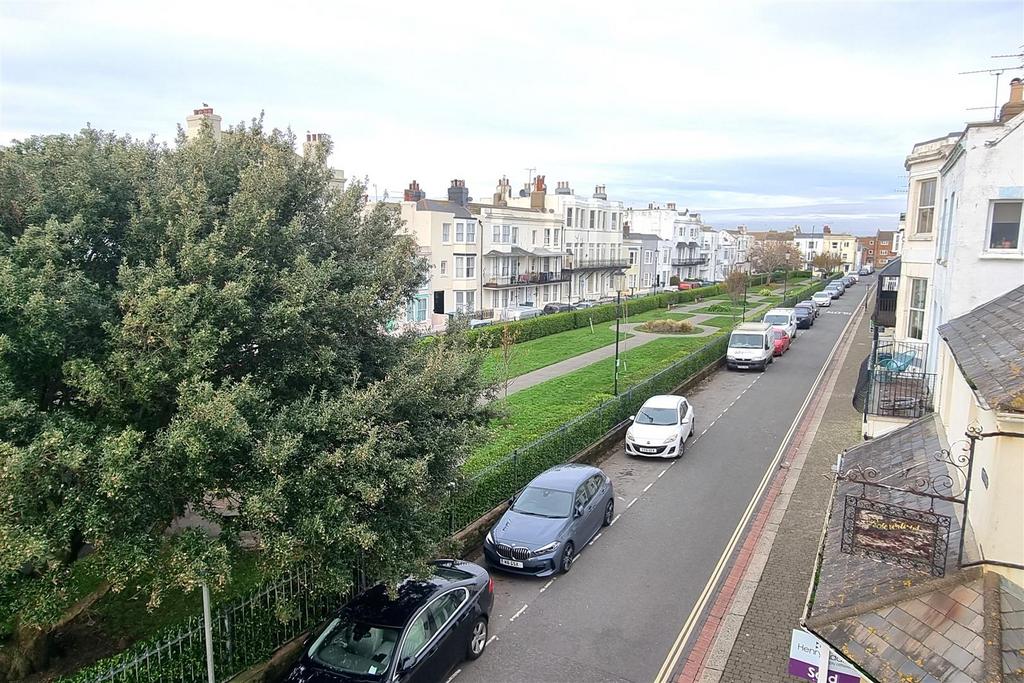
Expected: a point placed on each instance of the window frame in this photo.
(438, 628)
(988, 227)
(919, 207)
(911, 309)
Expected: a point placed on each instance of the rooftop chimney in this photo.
(413, 193)
(314, 140)
(599, 192)
(194, 123)
(503, 193)
(1015, 104)
(540, 190)
(458, 193)
(563, 187)
(825, 230)
(671, 206)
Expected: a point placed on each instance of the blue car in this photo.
(550, 520)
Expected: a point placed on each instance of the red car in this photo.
(781, 341)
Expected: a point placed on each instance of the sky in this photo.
(767, 114)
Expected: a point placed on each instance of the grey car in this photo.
(550, 521)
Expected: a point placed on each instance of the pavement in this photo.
(630, 606)
(529, 379)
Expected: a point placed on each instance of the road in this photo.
(617, 616)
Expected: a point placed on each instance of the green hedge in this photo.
(487, 489)
(542, 326)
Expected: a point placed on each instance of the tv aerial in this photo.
(997, 72)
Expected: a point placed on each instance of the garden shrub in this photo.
(668, 327)
(718, 308)
(765, 292)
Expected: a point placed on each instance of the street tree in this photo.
(827, 261)
(508, 349)
(773, 255)
(188, 325)
(736, 286)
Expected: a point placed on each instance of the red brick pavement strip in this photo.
(694, 667)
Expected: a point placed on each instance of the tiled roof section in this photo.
(454, 208)
(847, 579)
(988, 345)
(1012, 618)
(934, 636)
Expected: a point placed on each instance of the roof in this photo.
(443, 205)
(564, 477)
(641, 236)
(663, 401)
(988, 345)
(375, 606)
(895, 622)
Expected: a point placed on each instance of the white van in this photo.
(750, 346)
(782, 318)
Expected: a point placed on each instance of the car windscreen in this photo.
(802, 310)
(354, 647)
(777, 319)
(657, 416)
(746, 341)
(543, 502)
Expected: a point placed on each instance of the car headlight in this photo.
(671, 439)
(549, 548)
(629, 437)
(489, 538)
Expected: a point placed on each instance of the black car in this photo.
(804, 317)
(416, 635)
(557, 308)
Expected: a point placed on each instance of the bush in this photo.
(765, 292)
(718, 308)
(674, 280)
(668, 327)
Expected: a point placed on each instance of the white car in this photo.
(660, 428)
(822, 298)
(782, 318)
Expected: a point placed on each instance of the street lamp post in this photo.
(743, 317)
(618, 315)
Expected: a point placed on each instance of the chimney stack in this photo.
(413, 193)
(540, 190)
(671, 206)
(458, 193)
(563, 187)
(824, 231)
(599, 192)
(503, 193)
(1015, 104)
(194, 123)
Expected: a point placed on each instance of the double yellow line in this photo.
(669, 665)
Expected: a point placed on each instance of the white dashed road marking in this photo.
(616, 519)
(452, 677)
(662, 473)
(631, 503)
(491, 639)
(516, 615)
(647, 487)
(594, 539)
(547, 585)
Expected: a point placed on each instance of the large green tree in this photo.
(188, 326)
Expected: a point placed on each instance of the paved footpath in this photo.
(529, 379)
(745, 637)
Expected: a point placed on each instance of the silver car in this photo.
(550, 521)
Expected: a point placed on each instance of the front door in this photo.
(439, 302)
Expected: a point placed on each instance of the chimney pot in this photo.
(458, 193)
(1015, 104)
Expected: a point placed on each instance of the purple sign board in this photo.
(812, 660)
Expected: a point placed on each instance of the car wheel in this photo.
(681, 451)
(568, 556)
(477, 639)
(691, 429)
(609, 513)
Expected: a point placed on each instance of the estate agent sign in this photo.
(812, 660)
(915, 539)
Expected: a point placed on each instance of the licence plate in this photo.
(510, 563)
(648, 450)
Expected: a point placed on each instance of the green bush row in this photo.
(486, 490)
(542, 326)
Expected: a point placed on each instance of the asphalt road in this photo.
(617, 614)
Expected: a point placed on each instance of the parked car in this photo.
(813, 305)
(834, 290)
(848, 282)
(804, 317)
(784, 318)
(586, 304)
(864, 271)
(557, 308)
(661, 427)
(780, 341)
(750, 346)
(549, 521)
(822, 298)
(415, 634)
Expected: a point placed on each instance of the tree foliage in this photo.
(188, 327)
(772, 255)
(736, 285)
(827, 261)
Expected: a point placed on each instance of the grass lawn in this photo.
(533, 412)
(538, 353)
(731, 309)
(722, 322)
(657, 314)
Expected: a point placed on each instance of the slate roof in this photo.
(454, 208)
(988, 345)
(899, 624)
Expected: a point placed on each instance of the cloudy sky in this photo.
(764, 113)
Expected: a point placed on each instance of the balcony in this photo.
(523, 280)
(900, 394)
(570, 263)
(690, 261)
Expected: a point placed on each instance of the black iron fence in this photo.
(900, 394)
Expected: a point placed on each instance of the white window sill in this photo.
(999, 256)
(925, 237)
